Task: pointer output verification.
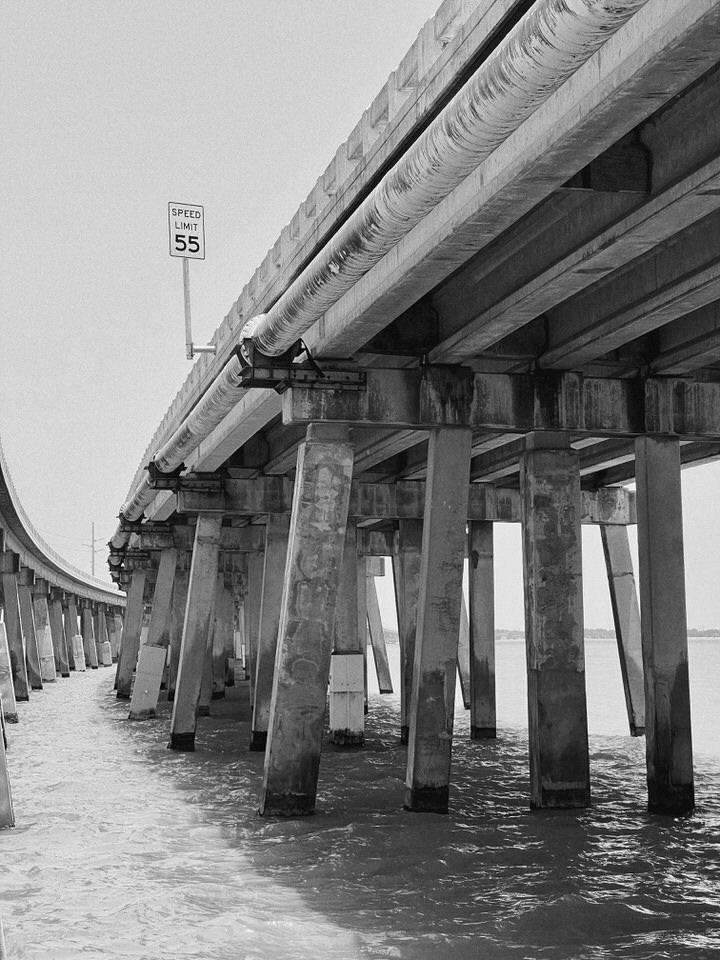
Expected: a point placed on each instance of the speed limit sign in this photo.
(187, 230)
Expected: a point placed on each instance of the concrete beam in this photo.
(516, 403)
(404, 500)
(247, 539)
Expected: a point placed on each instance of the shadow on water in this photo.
(492, 879)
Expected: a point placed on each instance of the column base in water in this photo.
(347, 700)
(185, 742)
(427, 799)
(258, 741)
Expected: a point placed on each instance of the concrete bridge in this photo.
(498, 304)
(56, 618)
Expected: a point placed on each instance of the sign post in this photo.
(186, 226)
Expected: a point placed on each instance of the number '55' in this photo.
(191, 244)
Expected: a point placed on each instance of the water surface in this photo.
(124, 849)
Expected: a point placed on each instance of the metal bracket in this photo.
(280, 373)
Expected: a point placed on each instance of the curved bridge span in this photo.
(55, 618)
(498, 304)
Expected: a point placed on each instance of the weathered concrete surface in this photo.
(441, 571)
(276, 548)
(32, 656)
(668, 734)
(132, 627)
(222, 636)
(60, 647)
(46, 654)
(305, 635)
(177, 621)
(626, 616)
(481, 602)
(7, 814)
(559, 762)
(377, 636)
(198, 617)
(72, 628)
(151, 662)
(410, 537)
(7, 689)
(16, 644)
(87, 628)
(347, 687)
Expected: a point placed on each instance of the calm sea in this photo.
(124, 849)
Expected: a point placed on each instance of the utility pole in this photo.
(93, 551)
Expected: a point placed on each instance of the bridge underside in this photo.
(548, 333)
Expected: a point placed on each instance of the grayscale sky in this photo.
(110, 109)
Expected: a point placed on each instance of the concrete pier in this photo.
(198, 618)
(16, 642)
(668, 736)
(432, 705)
(377, 635)
(481, 603)
(7, 689)
(305, 636)
(152, 655)
(347, 667)
(41, 615)
(7, 813)
(550, 490)
(626, 616)
(277, 535)
(72, 627)
(222, 636)
(32, 656)
(87, 629)
(410, 536)
(57, 627)
(177, 620)
(132, 627)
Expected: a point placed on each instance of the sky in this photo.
(111, 109)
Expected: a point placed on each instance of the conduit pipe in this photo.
(536, 57)
(539, 54)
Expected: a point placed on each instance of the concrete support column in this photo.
(463, 655)
(32, 656)
(481, 602)
(552, 562)
(253, 599)
(114, 628)
(432, 706)
(7, 814)
(62, 662)
(277, 534)
(70, 622)
(41, 617)
(305, 636)
(13, 623)
(664, 626)
(102, 643)
(377, 634)
(347, 665)
(132, 627)
(410, 535)
(87, 629)
(7, 689)
(177, 619)
(626, 616)
(198, 614)
(153, 653)
(222, 636)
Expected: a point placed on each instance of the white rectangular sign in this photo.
(187, 230)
